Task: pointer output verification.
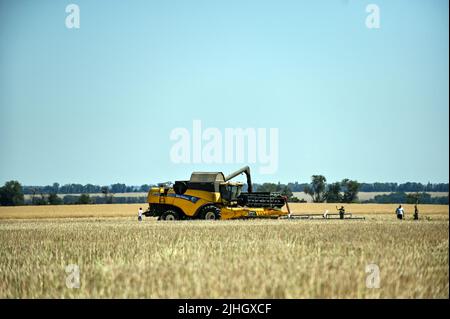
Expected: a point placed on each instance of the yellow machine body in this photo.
(211, 195)
(188, 202)
(193, 200)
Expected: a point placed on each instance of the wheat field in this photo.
(119, 257)
(371, 211)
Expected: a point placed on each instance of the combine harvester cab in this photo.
(210, 196)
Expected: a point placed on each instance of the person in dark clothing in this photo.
(416, 212)
(341, 212)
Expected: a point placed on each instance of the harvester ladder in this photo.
(162, 197)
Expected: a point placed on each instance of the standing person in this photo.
(140, 214)
(341, 212)
(400, 212)
(416, 212)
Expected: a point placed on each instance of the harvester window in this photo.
(230, 192)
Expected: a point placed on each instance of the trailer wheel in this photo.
(210, 213)
(170, 215)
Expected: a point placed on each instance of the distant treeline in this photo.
(386, 187)
(346, 191)
(402, 197)
(84, 189)
(82, 199)
(293, 187)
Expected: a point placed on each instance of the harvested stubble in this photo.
(119, 257)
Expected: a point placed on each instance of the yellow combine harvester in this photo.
(211, 195)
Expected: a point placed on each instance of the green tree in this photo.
(53, 199)
(286, 191)
(118, 188)
(416, 198)
(11, 194)
(351, 189)
(55, 188)
(144, 188)
(333, 194)
(42, 200)
(317, 188)
(268, 187)
(84, 199)
(106, 193)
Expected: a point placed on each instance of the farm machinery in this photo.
(212, 195)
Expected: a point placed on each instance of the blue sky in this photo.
(97, 104)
